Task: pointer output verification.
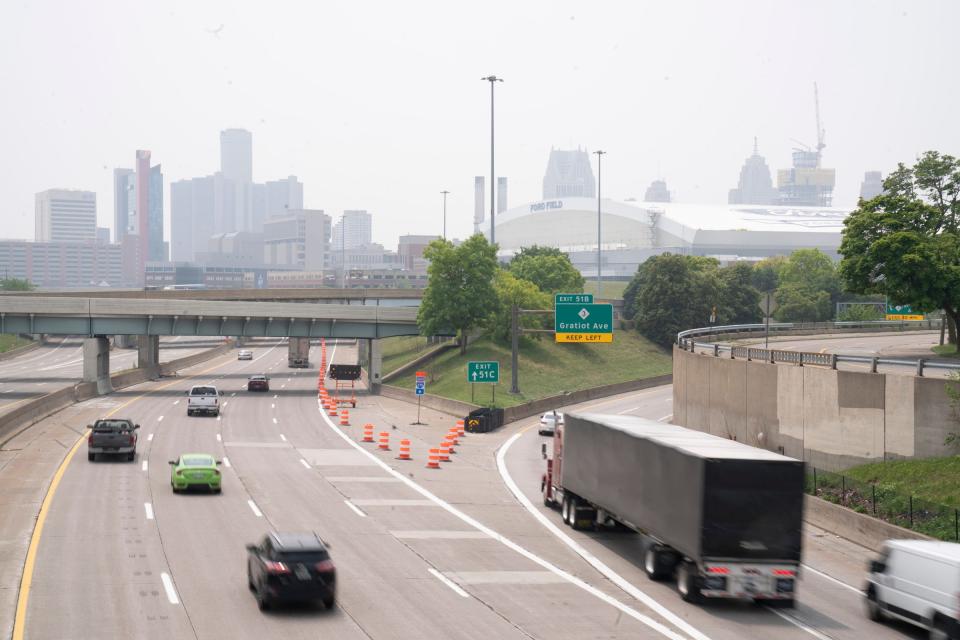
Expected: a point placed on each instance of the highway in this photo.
(59, 363)
(421, 553)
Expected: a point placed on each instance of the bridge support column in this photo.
(374, 364)
(96, 363)
(148, 354)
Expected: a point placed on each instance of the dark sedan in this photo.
(258, 383)
(291, 567)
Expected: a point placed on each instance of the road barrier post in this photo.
(404, 450)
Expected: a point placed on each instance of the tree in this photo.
(811, 269)
(905, 243)
(512, 290)
(549, 269)
(860, 313)
(798, 303)
(459, 293)
(15, 284)
(739, 299)
(766, 273)
(675, 293)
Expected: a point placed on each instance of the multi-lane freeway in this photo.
(466, 551)
(59, 363)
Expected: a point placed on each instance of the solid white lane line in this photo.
(304, 463)
(168, 587)
(355, 508)
(800, 625)
(144, 465)
(160, 419)
(283, 437)
(149, 437)
(832, 579)
(597, 564)
(253, 507)
(226, 461)
(219, 438)
(510, 544)
(275, 421)
(620, 413)
(666, 417)
(450, 583)
(148, 508)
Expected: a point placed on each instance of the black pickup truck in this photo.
(113, 436)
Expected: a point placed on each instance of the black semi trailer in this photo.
(722, 516)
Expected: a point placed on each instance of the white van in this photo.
(917, 581)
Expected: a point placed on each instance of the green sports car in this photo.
(192, 470)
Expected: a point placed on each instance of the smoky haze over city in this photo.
(381, 107)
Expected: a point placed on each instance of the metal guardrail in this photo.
(686, 340)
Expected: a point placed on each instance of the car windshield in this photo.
(303, 556)
(197, 461)
(203, 391)
(258, 378)
(111, 425)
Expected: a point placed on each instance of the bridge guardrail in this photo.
(687, 340)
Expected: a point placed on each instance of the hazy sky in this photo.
(379, 105)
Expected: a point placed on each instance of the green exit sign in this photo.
(573, 298)
(584, 323)
(483, 371)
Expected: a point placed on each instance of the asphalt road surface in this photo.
(59, 363)
(421, 553)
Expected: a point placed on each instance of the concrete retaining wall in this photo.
(856, 527)
(832, 419)
(511, 414)
(413, 365)
(437, 403)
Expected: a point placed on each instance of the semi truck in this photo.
(722, 517)
(298, 353)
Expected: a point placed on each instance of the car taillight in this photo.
(718, 570)
(784, 572)
(132, 440)
(90, 439)
(276, 568)
(324, 565)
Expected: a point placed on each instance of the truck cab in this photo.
(203, 399)
(112, 437)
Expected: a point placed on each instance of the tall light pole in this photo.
(444, 213)
(600, 155)
(493, 176)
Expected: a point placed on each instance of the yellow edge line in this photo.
(26, 579)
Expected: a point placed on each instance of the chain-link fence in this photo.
(930, 518)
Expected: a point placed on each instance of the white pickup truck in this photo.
(203, 399)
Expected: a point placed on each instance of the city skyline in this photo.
(683, 117)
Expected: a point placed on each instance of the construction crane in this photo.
(821, 132)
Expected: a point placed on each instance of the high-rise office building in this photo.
(872, 185)
(123, 202)
(64, 264)
(479, 195)
(282, 196)
(657, 192)
(199, 208)
(298, 240)
(65, 215)
(236, 165)
(354, 229)
(569, 175)
(501, 195)
(755, 185)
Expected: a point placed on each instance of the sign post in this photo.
(768, 304)
(484, 372)
(420, 389)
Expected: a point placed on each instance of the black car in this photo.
(258, 383)
(291, 567)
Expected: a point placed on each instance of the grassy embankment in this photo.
(946, 350)
(9, 341)
(546, 368)
(400, 350)
(611, 289)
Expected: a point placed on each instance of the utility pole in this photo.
(444, 213)
(493, 176)
(600, 155)
(515, 350)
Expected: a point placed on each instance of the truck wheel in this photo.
(565, 510)
(91, 456)
(653, 563)
(939, 630)
(131, 456)
(874, 610)
(688, 583)
(572, 512)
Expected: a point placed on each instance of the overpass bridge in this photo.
(367, 297)
(97, 318)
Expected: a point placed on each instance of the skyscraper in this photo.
(479, 193)
(755, 185)
(282, 196)
(569, 175)
(236, 165)
(501, 195)
(199, 208)
(354, 229)
(657, 192)
(65, 215)
(123, 204)
(872, 185)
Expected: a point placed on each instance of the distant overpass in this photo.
(376, 297)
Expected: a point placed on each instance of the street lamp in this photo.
(600, 155)
(444, 213)
(492, 80)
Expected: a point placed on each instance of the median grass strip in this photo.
(946, 350)
(546, 368)
(10, 341)
(923, 495)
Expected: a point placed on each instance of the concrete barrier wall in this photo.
(511, 414)
(862, 529)
(831, 419)
(437, 403)
(413, 365)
